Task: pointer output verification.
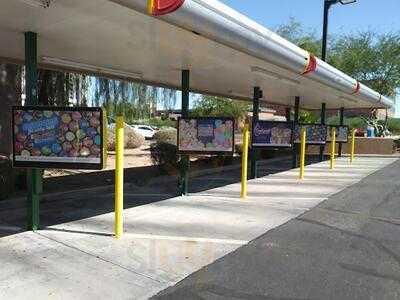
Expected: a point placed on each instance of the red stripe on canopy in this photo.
(312, 65)
(163, 7)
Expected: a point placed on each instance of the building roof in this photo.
(228, 54)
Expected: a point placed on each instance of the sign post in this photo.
(295, 121)
(258, 94)
(185, 159)
(34, 176)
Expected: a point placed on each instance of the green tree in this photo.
(370, 57)
(293, 31)
(373, 59)
(212, 106)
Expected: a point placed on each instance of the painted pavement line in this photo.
(186, 239)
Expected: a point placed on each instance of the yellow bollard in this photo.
(303, 138)
(333, 146)
(245, 155)
(353, 144)
(119, 176)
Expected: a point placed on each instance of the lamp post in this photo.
(327, 6)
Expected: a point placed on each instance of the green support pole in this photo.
(341, 123)
(185, 161)
(323, 116)
(34, 176)
(287, 114)
(295, 148)
(255, 152)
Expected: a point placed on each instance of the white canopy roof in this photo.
(227, 53)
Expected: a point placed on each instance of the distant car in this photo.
(147, 131)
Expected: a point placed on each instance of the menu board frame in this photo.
(205, 152)
(337, 141)
(290, 126)
(295, 141)
(51, 164)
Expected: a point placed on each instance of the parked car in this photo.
(146, 130)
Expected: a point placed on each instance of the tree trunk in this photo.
(10, 94)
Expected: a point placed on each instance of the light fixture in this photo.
(274, 75)
(345, 2)
(90, 68)
(37, 3)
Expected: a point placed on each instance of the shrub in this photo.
(164, 155)
(132, 139)
(356, 123)
(168, 136)
(164, 150)
(394, 125)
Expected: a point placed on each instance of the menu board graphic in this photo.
(342, 133)
(54, 137)
(271, 134)
(206, 135)
(316, 133)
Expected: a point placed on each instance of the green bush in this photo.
(132, 139)
(168, 135)
(355, 123)
(308, 117)
(165, 156)
(164, 150)
(394, 125)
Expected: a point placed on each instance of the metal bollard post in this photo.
(303, 138)
(333, 146)
(119, 176)
(245, 155)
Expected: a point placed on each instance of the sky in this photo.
(377, 15)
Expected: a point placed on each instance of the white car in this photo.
(145, 130)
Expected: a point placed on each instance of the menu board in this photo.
(342, 133)
(272, 134)
(316, 133)
(59, 138)
(206, 135)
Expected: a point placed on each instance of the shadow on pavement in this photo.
(143, 185)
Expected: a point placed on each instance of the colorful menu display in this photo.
(342, 134)
(272, 134)
(316, 133)
(54, 137)
(206, 135)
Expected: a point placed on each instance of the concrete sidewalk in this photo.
(165, 241)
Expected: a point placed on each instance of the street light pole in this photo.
(327, 6)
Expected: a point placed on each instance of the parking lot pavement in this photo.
(347, 247)
(166, 241)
